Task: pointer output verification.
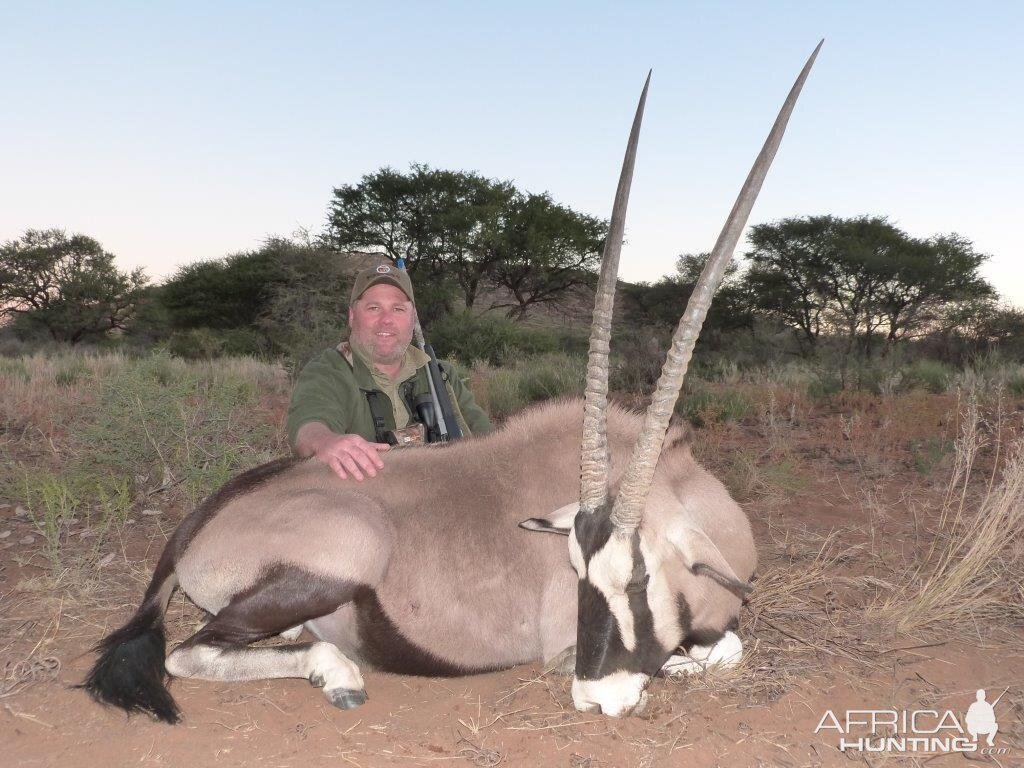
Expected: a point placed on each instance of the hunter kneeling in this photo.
(375, 391)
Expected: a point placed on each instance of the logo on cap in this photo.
(383, 269)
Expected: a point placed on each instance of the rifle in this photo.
(446, 426)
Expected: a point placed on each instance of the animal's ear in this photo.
(559, 521)
(704, 558)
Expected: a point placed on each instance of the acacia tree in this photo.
(922, 282)
(861, 278)
(230, 292)
(429, 218)
(662, 303)
(459, 232)
(542, 251)
(788, 275)
(67, 285)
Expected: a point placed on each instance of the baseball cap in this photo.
(382, 273)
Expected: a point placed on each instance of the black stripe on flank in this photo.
(283, 597)
(384, 646)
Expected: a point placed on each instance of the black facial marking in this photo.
(384, 646)
(699, 635)
(599, 647)
(592, 530)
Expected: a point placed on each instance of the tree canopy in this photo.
(662, 303)
(67, 285)
(231, 292)
(459, 232)
(861, 278)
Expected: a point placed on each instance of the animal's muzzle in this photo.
(618, 694)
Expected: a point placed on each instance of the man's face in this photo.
(382, 320)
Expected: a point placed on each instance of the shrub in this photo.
(637, 358)
(705, 406)
(177, 420)
(208, 343)
(930, 375)
(119, 428)
(823, 386)
(70, 370)
(491, 339)
(510, 389)
(928, 454)
(1015, 384)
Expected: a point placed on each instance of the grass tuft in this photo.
(973, 568)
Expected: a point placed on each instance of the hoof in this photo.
(346, 698)
(317, 681)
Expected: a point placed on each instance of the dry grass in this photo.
(974, 568)
(826, 604)
(806, 604)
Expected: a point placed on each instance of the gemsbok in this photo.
(444, 563)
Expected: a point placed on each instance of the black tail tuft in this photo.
(130, 671)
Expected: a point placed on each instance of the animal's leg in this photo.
(724, 654)
(321, 663)
(557, 622)
(285, 597)
(289, 634)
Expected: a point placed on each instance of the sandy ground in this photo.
(806, 656)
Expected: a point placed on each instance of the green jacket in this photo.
(330, 390)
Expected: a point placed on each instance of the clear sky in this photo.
(176, 132)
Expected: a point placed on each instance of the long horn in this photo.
(594, 451)
(636, 482)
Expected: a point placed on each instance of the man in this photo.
(349, 402)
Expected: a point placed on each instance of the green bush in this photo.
(823, 386)
(636, 361)
(927, 454)
(56, 500)
(208, 343)
(492, 339)
(705, 406)
(13, 368)
(542, 377)
(179, 423)
(930, 375)
(502, 396)
(1015, 384)
(70, 370)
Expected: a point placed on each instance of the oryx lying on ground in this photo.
(434, 568)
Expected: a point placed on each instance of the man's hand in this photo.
(352, 455)
(347, 455)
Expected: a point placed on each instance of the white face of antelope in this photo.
(618, 624)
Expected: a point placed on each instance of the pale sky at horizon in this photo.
(185, 132)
